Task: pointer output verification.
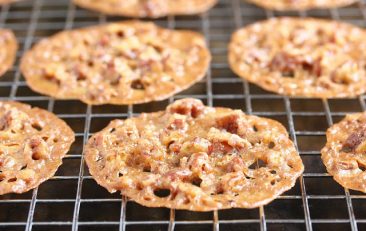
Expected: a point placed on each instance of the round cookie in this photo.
(301, 57)
(33, 142)
(283, 5)
(147, 8)
(344, 153)
(119, 63)
(195, 157)
(8, 46)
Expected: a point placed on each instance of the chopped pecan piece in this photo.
(191, 108)
(230, 123)
(284, 63)
(355, 139)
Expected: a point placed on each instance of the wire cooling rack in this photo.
(73, 201)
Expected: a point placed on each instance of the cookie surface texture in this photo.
(8, 46)
(119, 63)
(195, 157)
(301, 57)
(147, 8)
(282, 5)
(344, 153)
(32, 144)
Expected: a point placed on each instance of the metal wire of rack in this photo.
(71, 200)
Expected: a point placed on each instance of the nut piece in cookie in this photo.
(32, 144)
(8, 47)
(119, 63)
(283, 5)
(147, 8)
(303, 57)
(344, 155)
(195, 157)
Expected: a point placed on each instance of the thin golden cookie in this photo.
(301, 4)
(32, 144)
(118, 63)
(147, 8)
(8, 46)
(195, 157)
(301, 57)
(344, 155)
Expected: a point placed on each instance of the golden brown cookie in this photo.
(118, 63)
(8, 46)
(32, 144)
(344, 154)
(301, 57)
(195, 157)
(301, 4)
(147, 8)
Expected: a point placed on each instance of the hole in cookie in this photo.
(197, 181)
(220, 191)
(23, 167)
(146, 169)
(362, 167)
(273, 172)
(37, 126)
(137, 85)
(55, 140)
(346, 149)
(271, 145)
(261, 163)
(12, 179)
(273, 182)
(45, 138)
(253, 165)
(120, 174)
(247, 177)
(162, 192)
(255, 128)
(257, 164)
(112, 130)
(288, 74)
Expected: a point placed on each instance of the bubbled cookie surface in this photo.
(32, 144)
(119, 63)
(344, 154)
(301, 57)
(195, 157)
